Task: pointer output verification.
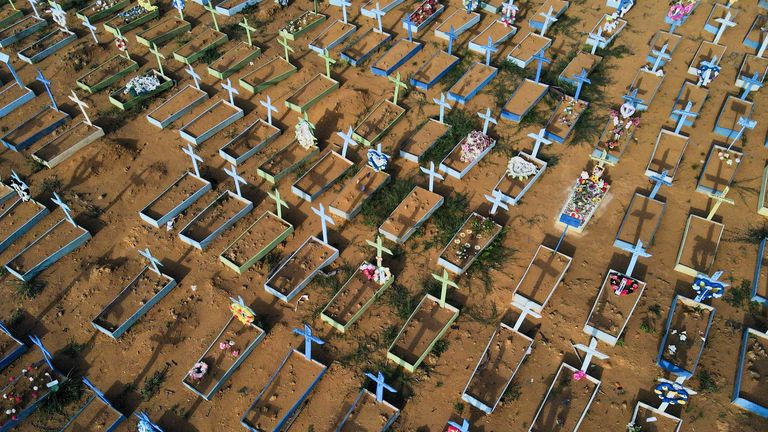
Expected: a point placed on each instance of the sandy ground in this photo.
(110, 181)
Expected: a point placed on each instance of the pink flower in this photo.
(578, 375)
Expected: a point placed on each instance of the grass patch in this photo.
(382, 203)
(461, 125)
(707, 382)
(512, 393)
(73, 349)
(441, 346)
(153, 384)
(647, 326)
(210, 55)
(491, 258)
(402, 301)
(739, 296)
(28, 290)
(458, 71)
(448, 219)
(57, 401)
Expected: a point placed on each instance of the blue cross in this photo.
(659, 180)
(745, 123)
(632, 99)
(489, 49)
(147, 424)
(64, 207)
(549, 18)
(562, 236)
(751, 83)
(232, 172)
(451, 37)
(380, 385)
(541, 59)
(153, 262)
(636, 251)
(470, 6)
(408, 24)
(47, 85)
(96, 391)
(684, 114)
(46, 354)
(661, 57)
(348, 140)
(309, 339)
(708, 287)
(464, 427)
(580, 79)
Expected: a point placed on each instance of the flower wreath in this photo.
(243, 313)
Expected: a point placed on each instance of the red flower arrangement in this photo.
(424, 11)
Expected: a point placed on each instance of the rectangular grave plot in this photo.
(44, 251)
(583, 61)
(377, 122)
(433, 70)
(284, 394)
(523, 99)
(749, 389)
(476, 234)
(651, 419)
(47, 45)
(311, 92)
(563, 121)
(298, 270)
(541, 278)
(9, 15)
(359, 49)
(217, 117)
(356, 191)
(698, 247)
(658, 41)
(559, 7)
(256, 242)
(608, 33)
(727, 120)
(497, 31)
(760, 280)
(62, 144)
(475, 79)
(138, 16)
(99, 10)
(175, 199)
(522, 54)
(107, 73)
(615, 138)
(367, 8)
(515, 187)
(233, 60)
(367, 414)
(460, 20)
(685, 335)
(221, 363)
(321, 176)
(640, 223)
(133, 302)
(567, 401)
(6, 193)
(428, 323)
(266, 75)
(34, 128)
(718, 11)
(419, 19)
(754, 37)
(18, 217)
(302, 24)
(31, 400)
(352, 300)
(707, 52)
(206, 39)
(505, 352)
(762, 203)
(396, 56)
(667, 154)
(417, 207)
(333, 36)
(232, 7)
(611, 312)
(216, 218)
(11, 347)
(749, 66)
(12, 96)
(416, 145)
(456, 164)
(719, 170)
(582, 204)
(20, 30)
(164, 31)
(249, 142)
(176, 106)
(94, 411)
(647, 85)
(689, 92)
(285, 161)
(126, 101)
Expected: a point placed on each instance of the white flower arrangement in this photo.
(305, 134)
(142, 84)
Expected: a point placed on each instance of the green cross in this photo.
(248, 30)
(445, 282)
(398, 83)
(13, 6)
(380, 249)
(279, 201)
(283, 40)
(158, 56)
(212, 10)
(120, 36)
(328, 62)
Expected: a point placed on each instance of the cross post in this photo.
(751, 83)
(231, 90)
(380, 249)
(309, 339)
(497, 199)
(179, 5)
(154, 263)
(92, 28)
(659, 180)
(33, 3)
(7, 60)
(159, 56)
(432, 173)
(212, 10)
(325, 219)
(763, 45)
(590, 351)
(279, 202)
(64, 207)
(632, 99)
(344, 4)
(452, 37)
(524, 312)
(541, 59)
(445, 282)
(490, 48)
(270, 109)
(82, 107)
(408, 23)
(549, 18)
(596, 39)
(379, 13)
(191, 72)
(683, 115)
(637, 251)
(398, 84)
(248, 29)
(661, 57)
(47, 84)
(725, 23)
(487, 120)
(443, 104)
(580, 79)
(380, 385)
(348, 140)
(539, 138)
(719, 199)
(328, 62)
(283, 40)
(745, 123)
(232, 172)
(195, 158)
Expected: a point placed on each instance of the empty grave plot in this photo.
(349, 201)
(132, 302)
(107, 73)
(611, 311)
(667, 154)
(66, 141)
(719, 11)
(647, 85)
(200, 42)
(658, 41)
(234, 59)
(20, 29)
(34, 128)
(516, 181)
(357, 294)
(523, 99)
(177, 105)
(564, 120)
(311, 92)
(332, 36)
(18, 217)
(749, 392)
(303, 24)
(698, 248)
(566, 403)
(468, 243)
(760, 282)
(719, 170)
(175, 199)
(321, 176)
(460, 20)
(268, 74)
(165, 30)
(360, 48)
(218, 216)
(396, 56)
(522, 54)
(12, 96)
(128, 99)
(707, 51)
(284, 393)
(497, 31)
(297, 271)
(222, 362)
(692, 93)
(582, 61)
(47, 45)
(256, 242)
(423, 329)
(651, 419)
(496, 368)
(686, 333)
(249, 142)
(477, 77)
(367, 414)
(727, 123)
(641, 221)
(410, 214)
(232, 7)
(378, 121)
(87, 412)
(558, 8)
(425, 137)
(285, 161)
(433, 70)
(466, 154)
(541, 278)
(45, 250)
(215, 118)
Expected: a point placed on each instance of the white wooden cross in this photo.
(59, 16)
(750, 83)
(590, 351)
(232, 172)
(595, 39)
(64, 207)
(540, 139)
(490, 48)
(82, 105)
(33, 3)
(487, 120)
(92, 28)
(159, 56)
(637, 251)
(724, 22)
(379, 13)
(153, 262)
(344, 4)
(445, 282)
(348, 140)
(509, 8)
(496, 198)
(524, 312)
(195, 158)
(380, 250)
(47, 84)
(549, 18)
(191, 71)
(432, 173)
(270, 109)
(231, 90)
(659, 180)
(443, 104)
(279, 202)
(324, 220)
